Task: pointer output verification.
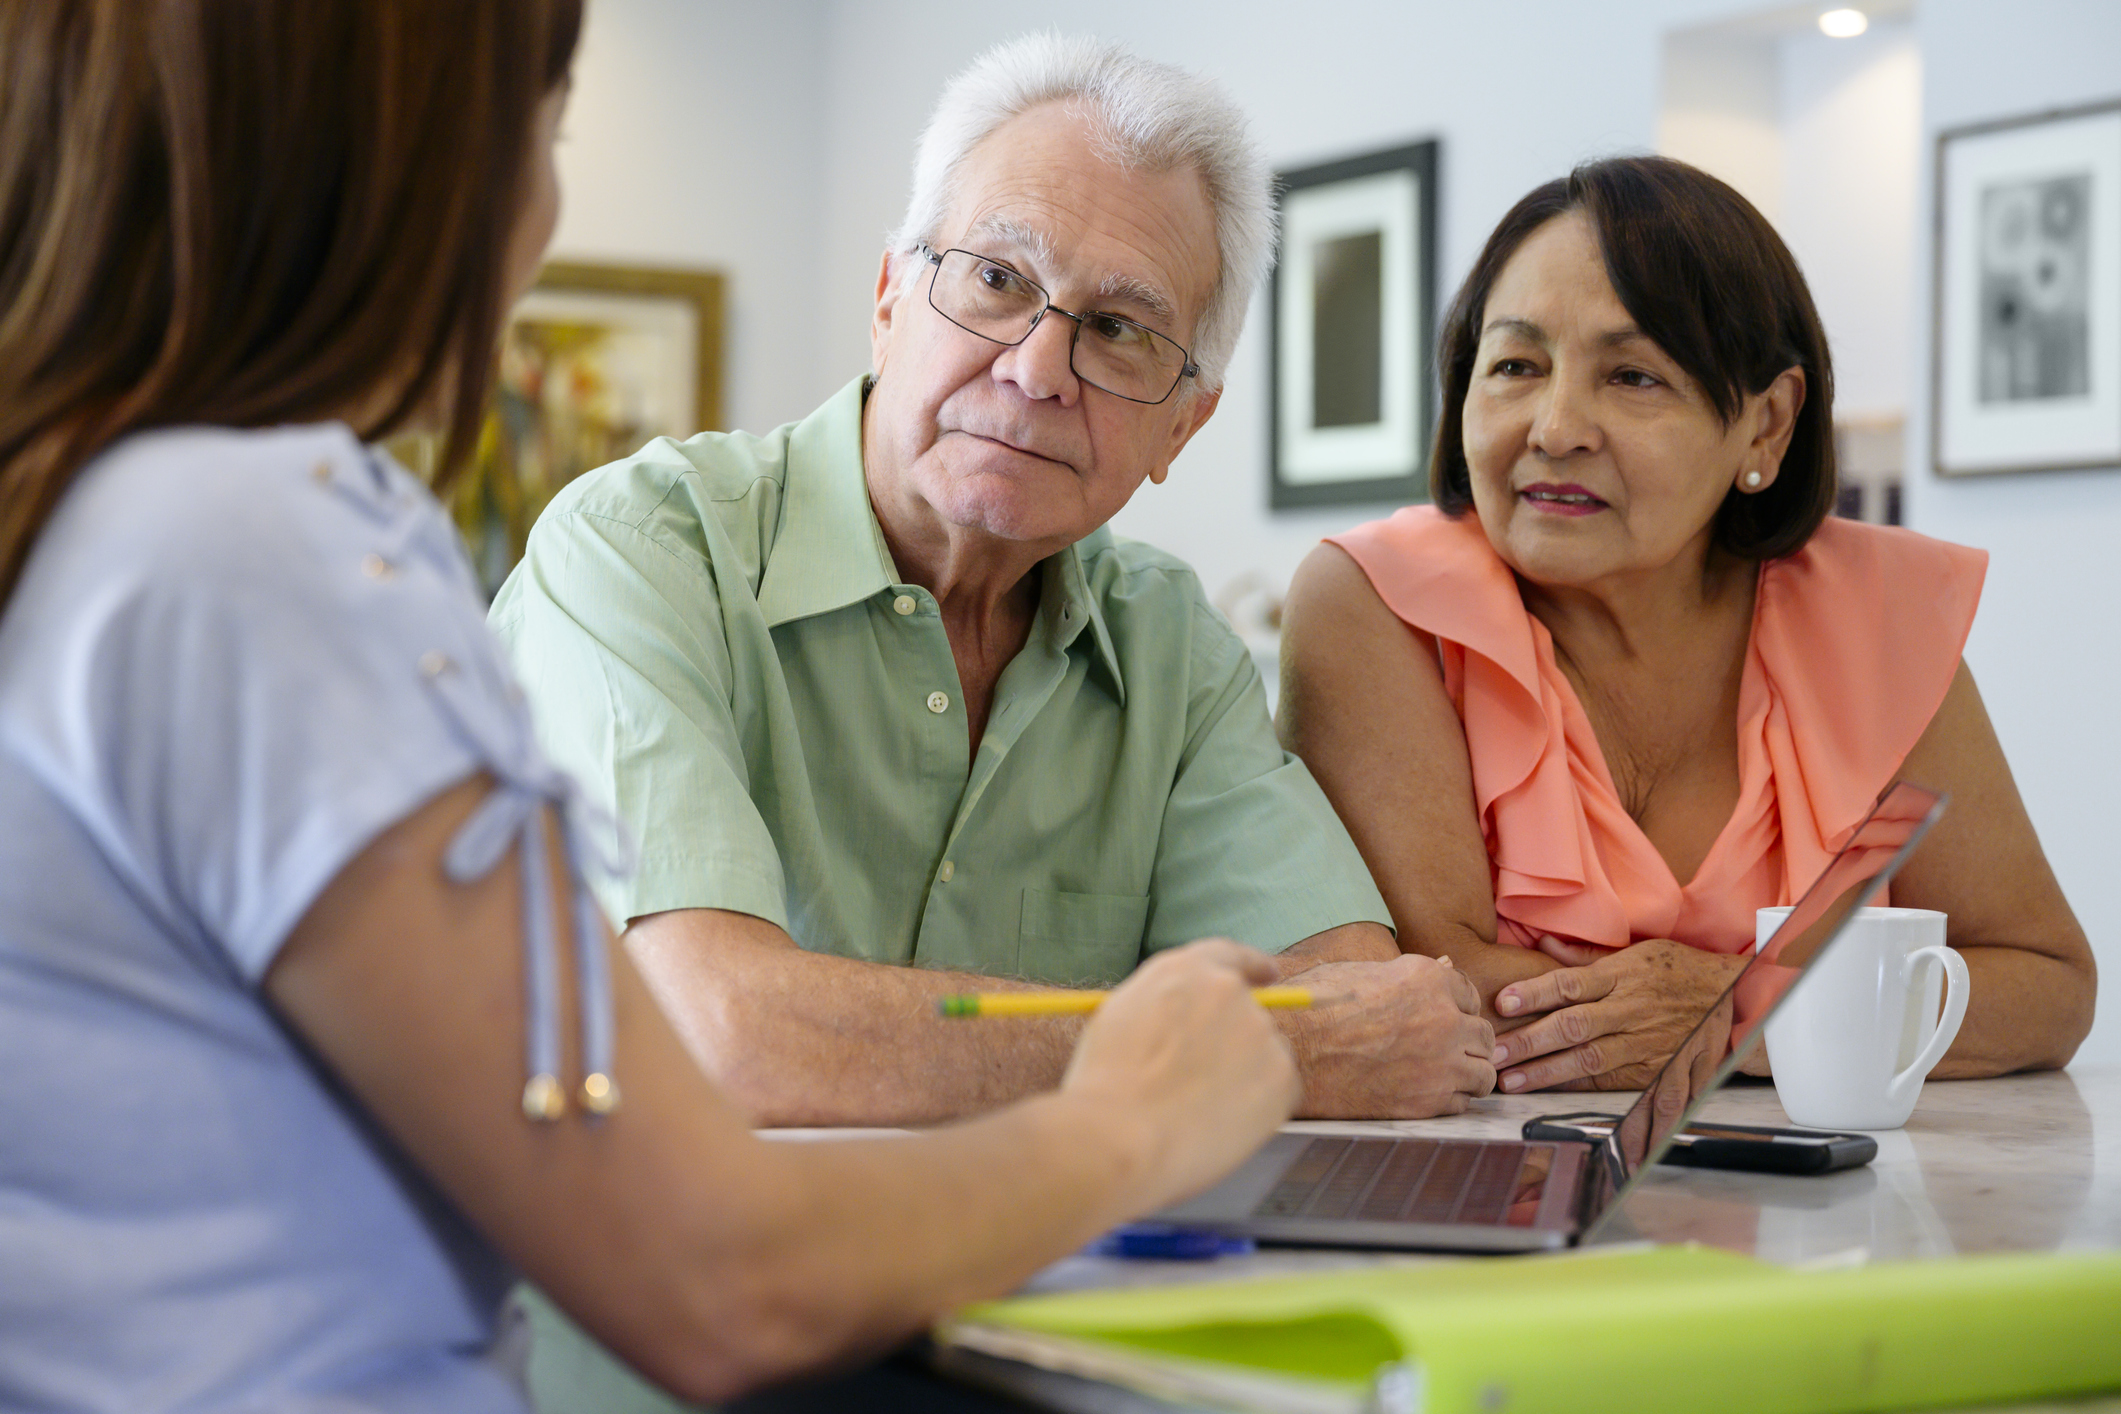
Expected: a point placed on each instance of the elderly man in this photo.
(892, 715)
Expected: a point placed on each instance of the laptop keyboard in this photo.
(1382, 1180)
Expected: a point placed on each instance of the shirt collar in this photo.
(1069, 605)
(829, 551)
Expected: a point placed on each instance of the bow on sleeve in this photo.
(513, 815)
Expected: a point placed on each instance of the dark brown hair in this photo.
(249, 212)
(1707, 279)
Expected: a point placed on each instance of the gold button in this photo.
(376, 567)
(321, 473)
(600, 1093)
(435, 664)
(944, 871)
(904, 604)
(543, 1099)
(938, 701)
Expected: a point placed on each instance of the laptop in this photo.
(1496, 1195)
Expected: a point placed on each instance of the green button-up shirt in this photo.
(714, 636)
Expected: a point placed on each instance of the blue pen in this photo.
(1165, 1242)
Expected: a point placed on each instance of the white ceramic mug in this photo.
(1859, 1031)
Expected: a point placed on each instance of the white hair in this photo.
(1147, 116)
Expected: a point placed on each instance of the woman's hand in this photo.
(712, 1261)
(1182, 1052)
(1611, 1018)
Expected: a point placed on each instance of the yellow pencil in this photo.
(1075, 1003)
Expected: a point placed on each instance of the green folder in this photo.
(1635, 1331)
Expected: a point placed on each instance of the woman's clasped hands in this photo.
(1608, 1019)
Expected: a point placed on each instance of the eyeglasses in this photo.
(987, 298)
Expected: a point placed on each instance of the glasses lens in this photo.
(1122, 357)
(1112, 353)
(989, 299)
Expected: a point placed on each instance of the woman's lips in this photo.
(1567, 500)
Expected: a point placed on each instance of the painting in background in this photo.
(2028, 356)
(1352, 306)
(596, 361)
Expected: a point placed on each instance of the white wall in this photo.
(1851, 143)
(2045, 645)
(696, 138)
(1721, 109)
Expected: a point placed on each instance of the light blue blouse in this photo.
(232, 660)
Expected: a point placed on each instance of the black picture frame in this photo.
(1377, 213)
(2025, 353)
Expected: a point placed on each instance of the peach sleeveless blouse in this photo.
(1855, 639)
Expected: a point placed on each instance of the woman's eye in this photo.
(1512, 367)
(1636, 378)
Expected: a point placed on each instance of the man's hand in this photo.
(1610, 1018)
(1399, 1039)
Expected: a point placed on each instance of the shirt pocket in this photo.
(1080, 940)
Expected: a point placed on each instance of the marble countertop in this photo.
(2020, 1163)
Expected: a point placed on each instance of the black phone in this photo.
(1754, 1148)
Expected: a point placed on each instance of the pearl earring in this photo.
(1752, 480)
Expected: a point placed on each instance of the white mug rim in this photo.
(1782, 910)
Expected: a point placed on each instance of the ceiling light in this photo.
(1843, 24)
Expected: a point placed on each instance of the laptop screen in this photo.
(1850, 881)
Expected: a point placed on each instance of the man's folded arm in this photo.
(802, 1038)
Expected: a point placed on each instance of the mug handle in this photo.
(1955, 992)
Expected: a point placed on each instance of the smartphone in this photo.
(1751, 1147)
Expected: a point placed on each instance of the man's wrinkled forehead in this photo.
(1002, 234)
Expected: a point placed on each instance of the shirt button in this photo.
(904, 604)
(943, 872)
(434, 663)
(938, 701)
(376, 567)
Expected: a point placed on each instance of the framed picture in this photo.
(1352, 390)
(596, 360)
(2027, 355)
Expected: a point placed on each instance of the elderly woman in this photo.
(1626, 682)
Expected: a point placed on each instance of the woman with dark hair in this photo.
(309, 1031)
(1626, 682)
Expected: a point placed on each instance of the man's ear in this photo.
(1191, 419)
(880, 318)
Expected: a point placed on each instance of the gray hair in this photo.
(1148, 116)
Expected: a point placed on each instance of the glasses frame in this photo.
(1187, 367)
